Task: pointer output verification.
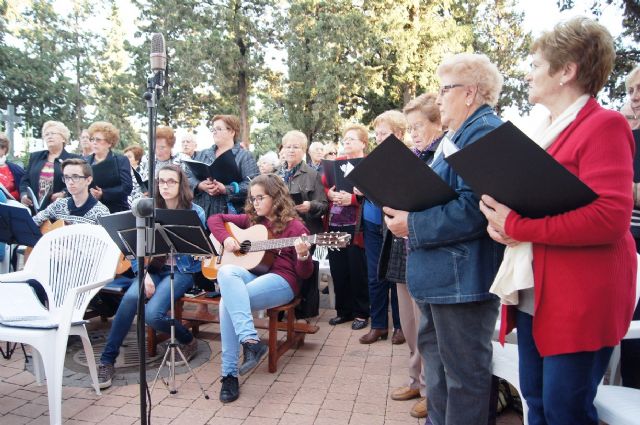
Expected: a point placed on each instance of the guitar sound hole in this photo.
(245, 247)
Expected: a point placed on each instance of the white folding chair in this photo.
(71, 263)
(618, 405)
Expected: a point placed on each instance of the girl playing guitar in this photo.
(269, 204)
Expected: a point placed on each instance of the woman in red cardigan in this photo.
(579, 267)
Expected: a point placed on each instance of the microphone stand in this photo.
(145, 234)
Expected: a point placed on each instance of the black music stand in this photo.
(17, 228)
(176, 232)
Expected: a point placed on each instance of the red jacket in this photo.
(584, 261)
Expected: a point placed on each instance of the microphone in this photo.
(142, 207)
(158, 56)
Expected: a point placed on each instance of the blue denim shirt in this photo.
(451, 258)
(184, 263)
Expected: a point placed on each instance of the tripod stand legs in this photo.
(170, 382)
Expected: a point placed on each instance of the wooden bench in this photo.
(295, 331)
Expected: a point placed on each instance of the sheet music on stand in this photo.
(180, 228)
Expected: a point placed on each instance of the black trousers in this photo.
(349, 273)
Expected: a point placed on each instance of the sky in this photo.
(540, 15)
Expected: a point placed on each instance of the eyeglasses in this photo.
(258, 199)
(97, 139)
(417, 127)
(445, 89)
(51, 133)
(215, 130)
(73, 178)
(292, 147)
(168, 182)
(330, 153)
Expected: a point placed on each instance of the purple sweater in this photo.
(286, 263)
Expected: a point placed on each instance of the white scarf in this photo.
(516, 270)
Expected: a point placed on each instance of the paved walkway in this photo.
(332, 380)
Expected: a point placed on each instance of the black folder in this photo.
(392, 176)
(335, 173)
(106, 173)
(144, 184)
(17, 226)
(514, 170)
(223, 169)
(636, 159)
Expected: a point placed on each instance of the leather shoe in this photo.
(339, 319)
(419, 410)
(398, 337)
(358, 324)
(374, 335)
(405, 393)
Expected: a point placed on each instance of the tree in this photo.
(114, 89)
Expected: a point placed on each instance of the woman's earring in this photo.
(561, 83)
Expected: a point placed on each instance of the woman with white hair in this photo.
(268, 162)
(458, 311)
(44, 174)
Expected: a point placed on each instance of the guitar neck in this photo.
(278, 243)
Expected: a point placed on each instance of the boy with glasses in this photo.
(80, 206)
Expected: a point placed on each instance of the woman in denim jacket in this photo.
(172, 192)
(452, 260)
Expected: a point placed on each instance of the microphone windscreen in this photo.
(158, 56)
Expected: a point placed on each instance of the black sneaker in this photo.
(253, 353)
(230, 390)
(105, 375)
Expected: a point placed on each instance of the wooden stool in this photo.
(295, 331)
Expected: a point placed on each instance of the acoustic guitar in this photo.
(256, 248)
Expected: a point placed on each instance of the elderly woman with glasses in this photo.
(349, 266)
(43, 174)
(112, 182)
(452, 260)
(576, 270)
(214, 196)
(10, 173)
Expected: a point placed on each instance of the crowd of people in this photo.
(439, 273)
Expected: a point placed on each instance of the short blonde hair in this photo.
(361, 130)
(295, 135)
(166, 133)
(426, 105)
(395, 119)
(584, 42)
(475, 69)
(108, 130)
(635, 72)
(59, 127)
(316, 145)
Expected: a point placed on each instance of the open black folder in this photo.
(336, 173)
(224, 169)
(514, 170)
(393, 176)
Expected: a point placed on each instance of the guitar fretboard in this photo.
(278, 243)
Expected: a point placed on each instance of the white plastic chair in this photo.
(615, 405)
(618, 405)
(72, 263)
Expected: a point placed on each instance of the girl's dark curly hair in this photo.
(283, 207)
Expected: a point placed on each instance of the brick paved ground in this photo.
(332, 380)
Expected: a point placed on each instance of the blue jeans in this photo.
(242, 292)
(455, 343)
(559, 389)
(379, 289)
(155, 314)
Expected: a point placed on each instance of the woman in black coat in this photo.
(43, 174)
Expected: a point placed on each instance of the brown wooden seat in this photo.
(295, 331)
